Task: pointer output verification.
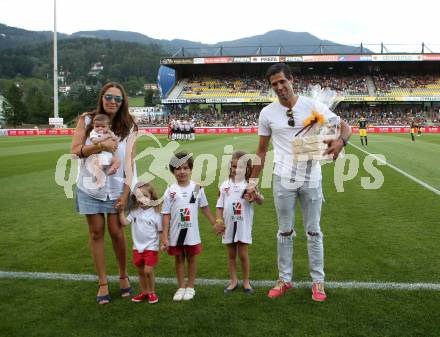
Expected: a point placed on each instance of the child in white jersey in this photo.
(146, 226)
(235, 209)
(180, 223)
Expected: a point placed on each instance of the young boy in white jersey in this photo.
(180, 234)
(235, 210)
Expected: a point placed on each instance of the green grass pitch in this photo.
(388, 234)
(136, 101)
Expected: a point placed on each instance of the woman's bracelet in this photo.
(218, 220)
(99, 145)
(253, 182)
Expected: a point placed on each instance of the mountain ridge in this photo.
(269, 42)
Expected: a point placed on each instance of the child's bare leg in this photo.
(232, 256)
(114, 165)
(180, 270)
(98, 172)
(143, 281)
(244, 258)
(192, 270)
(149, 273)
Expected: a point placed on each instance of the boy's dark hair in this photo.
(278, 68)
(177, 161)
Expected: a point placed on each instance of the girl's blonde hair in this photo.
(237, 155)
(146, 187)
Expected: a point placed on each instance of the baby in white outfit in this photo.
(106, 161)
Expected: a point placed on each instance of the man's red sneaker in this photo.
(139, 297)
(280, 288)
(318, 293)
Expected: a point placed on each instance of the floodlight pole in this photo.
(55, 61)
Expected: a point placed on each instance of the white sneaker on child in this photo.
(178, 296)
(189, 294)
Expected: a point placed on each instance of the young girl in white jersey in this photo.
(235, 210)
(146, 227)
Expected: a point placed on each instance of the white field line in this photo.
(418, 181)
(217, 282)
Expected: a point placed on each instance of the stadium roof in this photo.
(302, 58)
(306, 49)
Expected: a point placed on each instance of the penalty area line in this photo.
(219, 282)
(417, 180)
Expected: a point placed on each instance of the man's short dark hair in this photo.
(176, 161)
(278, 68)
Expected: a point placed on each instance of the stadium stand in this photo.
(206, 87)
(253, 87)
(230, 116)
(343, 85)
(247, 116)
(382, 116)
(216, 96)
(408, 85)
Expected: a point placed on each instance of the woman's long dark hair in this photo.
(123, 122)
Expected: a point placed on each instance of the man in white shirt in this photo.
(281, 120)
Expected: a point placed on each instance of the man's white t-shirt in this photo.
(237, 212)
(184, 213)
(273, 122)
(145, 227)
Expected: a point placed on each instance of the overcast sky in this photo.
(211, 21)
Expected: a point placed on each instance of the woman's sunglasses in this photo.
(291, 121)
(118, 99)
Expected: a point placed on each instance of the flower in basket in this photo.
(310, 145)
(315, 117)
(310, 121)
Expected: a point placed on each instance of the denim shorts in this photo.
(85, 204)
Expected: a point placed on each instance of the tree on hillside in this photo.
(14, 109)
(148, 97)
(122, 61)
(89, 98)
(8, 111)
(133, 86)
(38, 106)
(80, 99)
(130, 64)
